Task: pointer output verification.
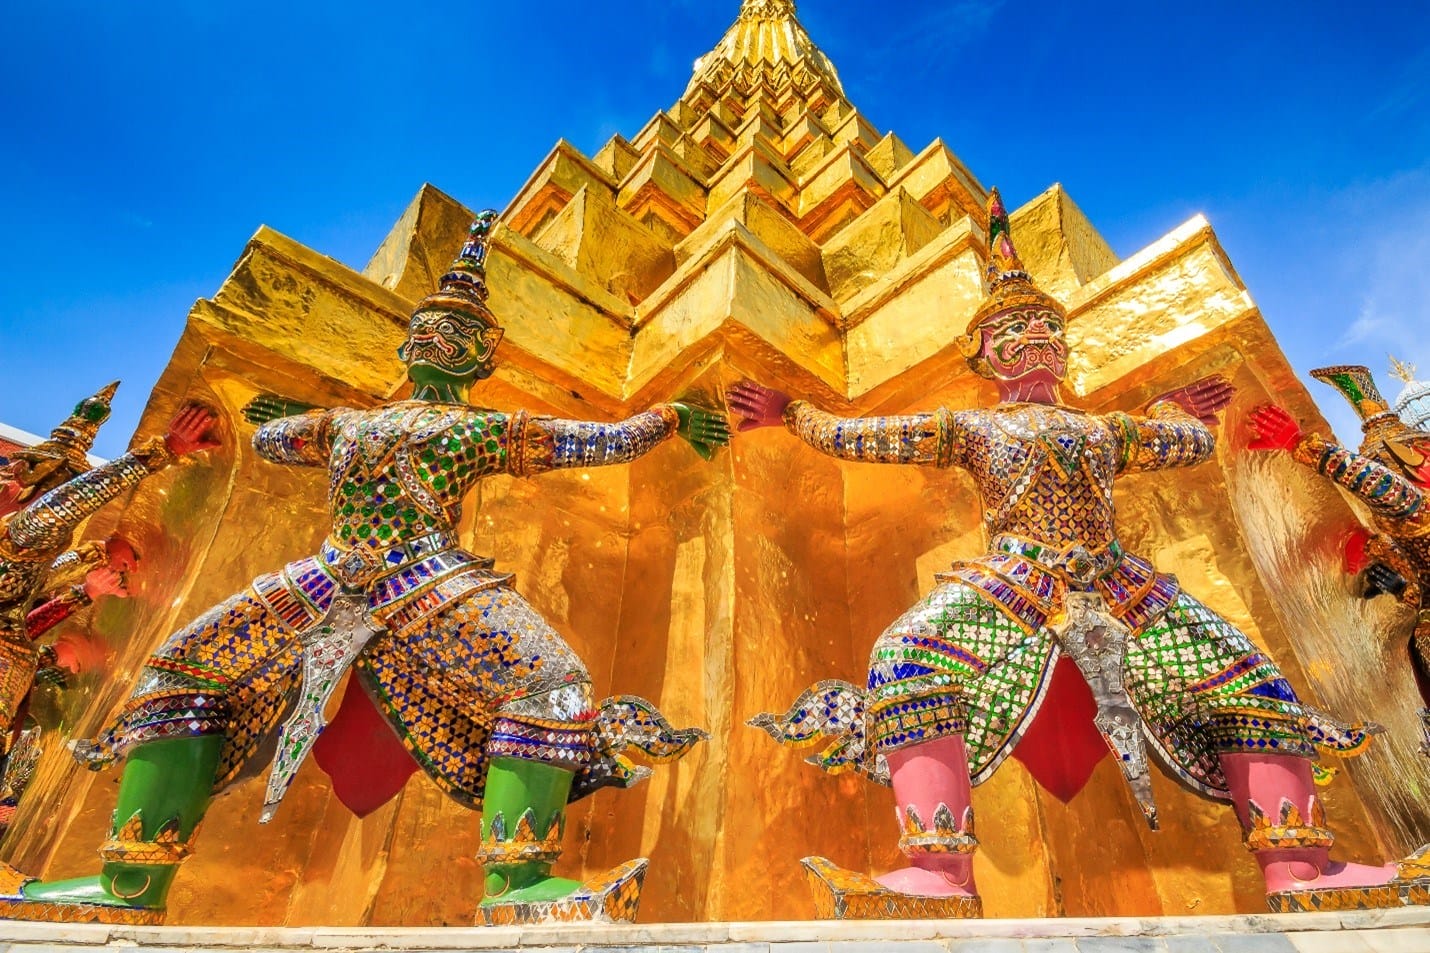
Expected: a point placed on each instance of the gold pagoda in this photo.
(761, 226)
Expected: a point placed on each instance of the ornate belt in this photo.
(356, 568)
(1077, 562)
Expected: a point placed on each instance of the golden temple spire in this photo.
(765, 38)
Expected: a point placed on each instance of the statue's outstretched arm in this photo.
(1167, 437)
(304, 440)
(929, 439)
(66, 591)
(1386, 492)
(1176, 431)
(935, 439)
(49, 522)
(72, 565)
(538, 444)
(51, 613)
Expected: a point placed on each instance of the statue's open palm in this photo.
(194, 428)
(705, 430)
(1203, 399)
(265, 407)
(760, 406)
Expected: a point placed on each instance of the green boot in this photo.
(523, 818)
(163, 794)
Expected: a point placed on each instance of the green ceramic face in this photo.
(447, 348)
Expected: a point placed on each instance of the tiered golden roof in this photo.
(764, 118)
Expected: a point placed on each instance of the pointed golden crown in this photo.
(1009, 284)
(64, 455)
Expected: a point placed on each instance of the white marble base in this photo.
(1377, 931)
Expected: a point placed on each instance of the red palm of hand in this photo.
(1203, 399)
(192, 430)
(104, 582)
(1274, 429)
(760, 406)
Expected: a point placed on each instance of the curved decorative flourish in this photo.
(629, 721)
(830, 709)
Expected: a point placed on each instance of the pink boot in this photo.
(933, 802)
(1275, 800)
(932, 793)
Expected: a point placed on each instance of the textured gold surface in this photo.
(669, 266)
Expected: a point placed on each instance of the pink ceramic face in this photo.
(1026, 343)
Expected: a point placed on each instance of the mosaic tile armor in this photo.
(1390, 474)
(458, 663)
(975, 656)
(32, 541)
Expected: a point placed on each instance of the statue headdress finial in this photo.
(1003, 261)
(464, 286)
(65, 454)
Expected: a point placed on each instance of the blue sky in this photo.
(142, 144)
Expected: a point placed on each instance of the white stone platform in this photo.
(1391, 931)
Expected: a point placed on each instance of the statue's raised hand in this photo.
(105, 582)
(1274, 429)
(266, 407)
(1203, 399)
(1380, 579)
(192, 429)
(705, 430)
(760, 406)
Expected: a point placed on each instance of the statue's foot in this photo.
(927, 883)
(539, 891)
(1299, 886)
(84, 900)
(841, 894)
(611, 897)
